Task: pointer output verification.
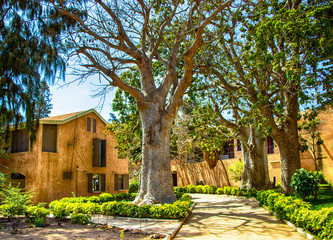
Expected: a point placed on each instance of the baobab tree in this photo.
(110, 37)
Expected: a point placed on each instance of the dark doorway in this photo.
(174, 179)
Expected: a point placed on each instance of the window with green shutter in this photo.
(88, 124)
(96, 182)
(99, 153)
(121, 182)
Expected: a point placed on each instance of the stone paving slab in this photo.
(159, 226)
(229, 217)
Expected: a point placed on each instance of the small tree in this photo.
(310, 139)
(306, 183)
(14, 203)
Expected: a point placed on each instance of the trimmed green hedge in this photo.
(297, 211)
(176, 210)
(293, 209)
(102, 198)
(64, 207)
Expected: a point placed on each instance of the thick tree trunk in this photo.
(286, 137)
(255, 173)
(155, 178)
(290, 160)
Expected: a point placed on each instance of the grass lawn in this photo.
(325, 198)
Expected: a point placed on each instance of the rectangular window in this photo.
(94, 125)
(88, 124)
(270, 145)
(239, 145)
(99, 153)
(49, 138)
(20, 141)
(67, 175)
(121, 182)
(96, 182)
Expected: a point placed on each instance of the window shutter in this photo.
(94, 125)
(90, 182)
(49, 138)
(270, 145)
(25, 141)
(14, 141)
(103, 153)
(126, 182)
(103, 182)
(116, 182)
(231, 150)
(88, 124)
(95, 152)
(19, 141)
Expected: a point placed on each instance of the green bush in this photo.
(15, 202)
(36, 214)
(106, 197)
(94, 199)
(59, 209)
(190, 189)
(186, 198)
(236, 171)
(179, 192)
(170, 211)
(299, 212)
(306, 183)
(220, 191)
(133, 187)
(209, 189)
(80, 218)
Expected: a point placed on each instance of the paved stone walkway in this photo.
(159, 226)
(228, 217)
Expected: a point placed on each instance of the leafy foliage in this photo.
(14, 203)
(36, 214)
(310, 135)
(306, 183)
(80, 208)
(80, 218)
(133, 187)
(236, 170)
(30, 48)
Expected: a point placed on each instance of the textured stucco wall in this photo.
(44, 170)
(326, 149)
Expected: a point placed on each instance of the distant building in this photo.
(72, 153)
(216, 173)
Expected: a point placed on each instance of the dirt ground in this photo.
(64, 230)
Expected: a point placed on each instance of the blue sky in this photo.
(74, 97)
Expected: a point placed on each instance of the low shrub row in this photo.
(214, 190)
(293, 209)
(62, 209)
(196, 189)
(177, 210)
(102, 198)
(297, 211)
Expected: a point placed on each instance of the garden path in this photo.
(228, 217)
